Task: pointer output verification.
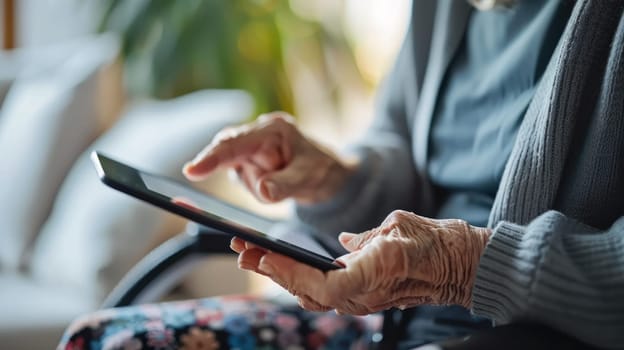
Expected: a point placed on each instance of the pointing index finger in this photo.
(227, 152)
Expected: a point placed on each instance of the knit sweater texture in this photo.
(556, 255)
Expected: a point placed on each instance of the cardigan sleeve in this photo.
(558, 272)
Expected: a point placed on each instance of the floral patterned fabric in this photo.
(231, 322)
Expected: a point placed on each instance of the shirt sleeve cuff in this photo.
(506, 273)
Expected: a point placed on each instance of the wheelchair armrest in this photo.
(515, 336)
(163, 267)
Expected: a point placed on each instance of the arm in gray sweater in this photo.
(558, 272)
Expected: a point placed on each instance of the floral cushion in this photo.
(231, 322)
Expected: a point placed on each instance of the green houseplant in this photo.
(174, 47)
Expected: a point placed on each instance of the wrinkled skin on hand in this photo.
(408, 260)
(274, 160)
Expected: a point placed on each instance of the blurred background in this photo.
(150, 82)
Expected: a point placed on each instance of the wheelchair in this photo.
(164, 267)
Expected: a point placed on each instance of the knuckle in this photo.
(231, 131)
(276, 117)
(278, 123)
(400, 214)
(223, 134)
(395, 218)
(365, 238)
(287, 128)
(385, 245)
(266, 117)
(225, 143)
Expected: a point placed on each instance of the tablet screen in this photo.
(218, 210)
(187, 196)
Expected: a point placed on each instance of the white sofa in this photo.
(65, 238)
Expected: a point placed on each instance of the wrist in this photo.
(337, 176)
(463, 247)
(479, 237)
(334, 172)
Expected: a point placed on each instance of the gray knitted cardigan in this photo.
(556, 255)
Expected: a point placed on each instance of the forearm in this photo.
(384, 180)
(558, 272)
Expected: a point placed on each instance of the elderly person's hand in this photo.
(407, 261)
(274, 160)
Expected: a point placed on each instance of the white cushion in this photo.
(47, 120)
(35, 314)
(7, 75)
(95, 234)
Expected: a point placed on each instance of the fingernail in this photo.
(187, 166)
(346, 239)
(233, 247)
(345, 236)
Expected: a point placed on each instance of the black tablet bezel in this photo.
(127, 179)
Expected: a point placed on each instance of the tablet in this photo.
(184, 200)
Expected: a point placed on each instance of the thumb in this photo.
(348, 240)
(294, 276)
(354, 241)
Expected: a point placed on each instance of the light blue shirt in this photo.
(482, 100)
